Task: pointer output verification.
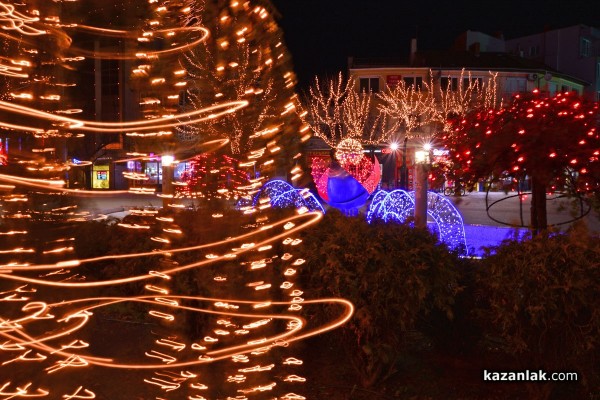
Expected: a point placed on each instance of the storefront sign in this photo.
(101, 177)
(393, 80)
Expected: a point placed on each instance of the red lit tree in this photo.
(552, 140)
(3, 158)
(214, 176)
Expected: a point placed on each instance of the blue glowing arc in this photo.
(283, 195)
(399, 205)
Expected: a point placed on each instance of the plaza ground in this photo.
(508, 215)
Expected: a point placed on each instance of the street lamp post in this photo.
(421, 174)
(167, 179)
(403, 169)
(394, 149)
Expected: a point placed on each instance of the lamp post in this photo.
(421, 174)
(167, 179)
(394, 149)
(403, 169)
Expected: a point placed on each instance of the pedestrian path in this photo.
(480, 236)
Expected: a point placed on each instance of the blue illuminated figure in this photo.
(344, 191)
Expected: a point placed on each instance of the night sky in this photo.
(322, 34)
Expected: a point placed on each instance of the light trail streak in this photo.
(133, 35)
(170, 121)
(58, 336)
(215, 355)
(14, 20)
(315, 217)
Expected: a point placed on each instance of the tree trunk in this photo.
(539, 218)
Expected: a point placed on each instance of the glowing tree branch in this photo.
(408, 106)
(243, 59)
(447, 103)
(335, 111)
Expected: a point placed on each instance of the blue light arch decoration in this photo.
(399, 205)
(283, 195)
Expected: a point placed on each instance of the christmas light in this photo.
(336, 111)
(398, 206)
(44, 99)
(545, 139)
(283, 195)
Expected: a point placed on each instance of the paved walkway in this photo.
(508, 209)
(505, 209)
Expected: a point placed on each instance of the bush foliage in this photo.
(542, 301)
(391, 273)
(536, 299)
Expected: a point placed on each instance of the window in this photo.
(415, 81)
(598, 70)
(449, 83)
(369, 85)
(565, 88)
(472, 81)
(585, 47)
(514, 85)
(534, 51)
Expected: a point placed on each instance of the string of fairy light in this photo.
(336, 110)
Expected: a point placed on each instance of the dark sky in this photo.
(322, 34)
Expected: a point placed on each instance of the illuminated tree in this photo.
(423, 110)
(471, 93)
(408, 106)
(214, 176)
(157, 74)
(244, 58)
(413, 107)
(554, 141)
(336, 110)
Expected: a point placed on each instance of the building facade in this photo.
(475, 57)
(574, 50)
